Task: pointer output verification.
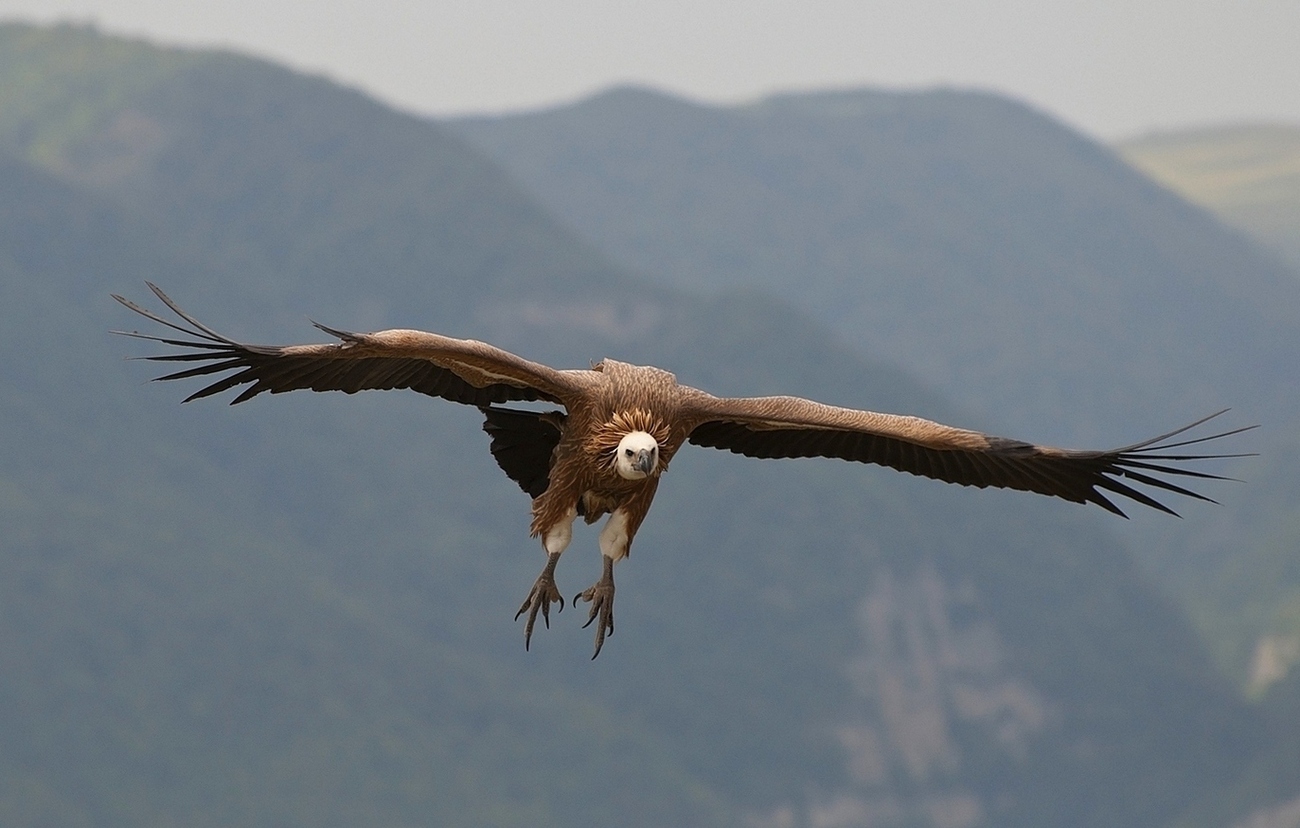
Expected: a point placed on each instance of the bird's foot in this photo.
(601, 597)
(540, 597)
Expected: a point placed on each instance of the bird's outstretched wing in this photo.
(794, 427)
(459, 370)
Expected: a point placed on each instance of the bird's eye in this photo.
(628, 452)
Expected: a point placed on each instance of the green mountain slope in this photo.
(1248, 175)
(297, 611)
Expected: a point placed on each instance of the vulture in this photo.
(616, 428)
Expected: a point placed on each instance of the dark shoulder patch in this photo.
(1011, 448)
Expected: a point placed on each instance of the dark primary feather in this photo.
(271, 368)
(1077, 476)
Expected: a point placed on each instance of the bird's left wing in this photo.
(459, 370)
(795, 427)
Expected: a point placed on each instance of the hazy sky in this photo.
(1112, 67)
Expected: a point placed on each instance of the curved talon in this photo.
(528, 602)
(546, 610)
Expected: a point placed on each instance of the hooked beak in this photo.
(645, 461)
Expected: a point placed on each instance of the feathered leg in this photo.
(615, 539)
(544, 591)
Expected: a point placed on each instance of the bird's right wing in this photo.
(795, 427)
(459, 370)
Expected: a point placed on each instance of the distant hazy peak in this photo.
(1248, 174)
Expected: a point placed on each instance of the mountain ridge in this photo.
(960, 235)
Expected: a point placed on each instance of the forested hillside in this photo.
(298, 611)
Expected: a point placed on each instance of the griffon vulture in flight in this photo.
(622, 424)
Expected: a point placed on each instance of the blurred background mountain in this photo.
(1249, 176)
(298, 611)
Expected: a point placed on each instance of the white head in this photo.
(637, 456)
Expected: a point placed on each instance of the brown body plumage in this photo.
(621, 425)
(624, 398)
